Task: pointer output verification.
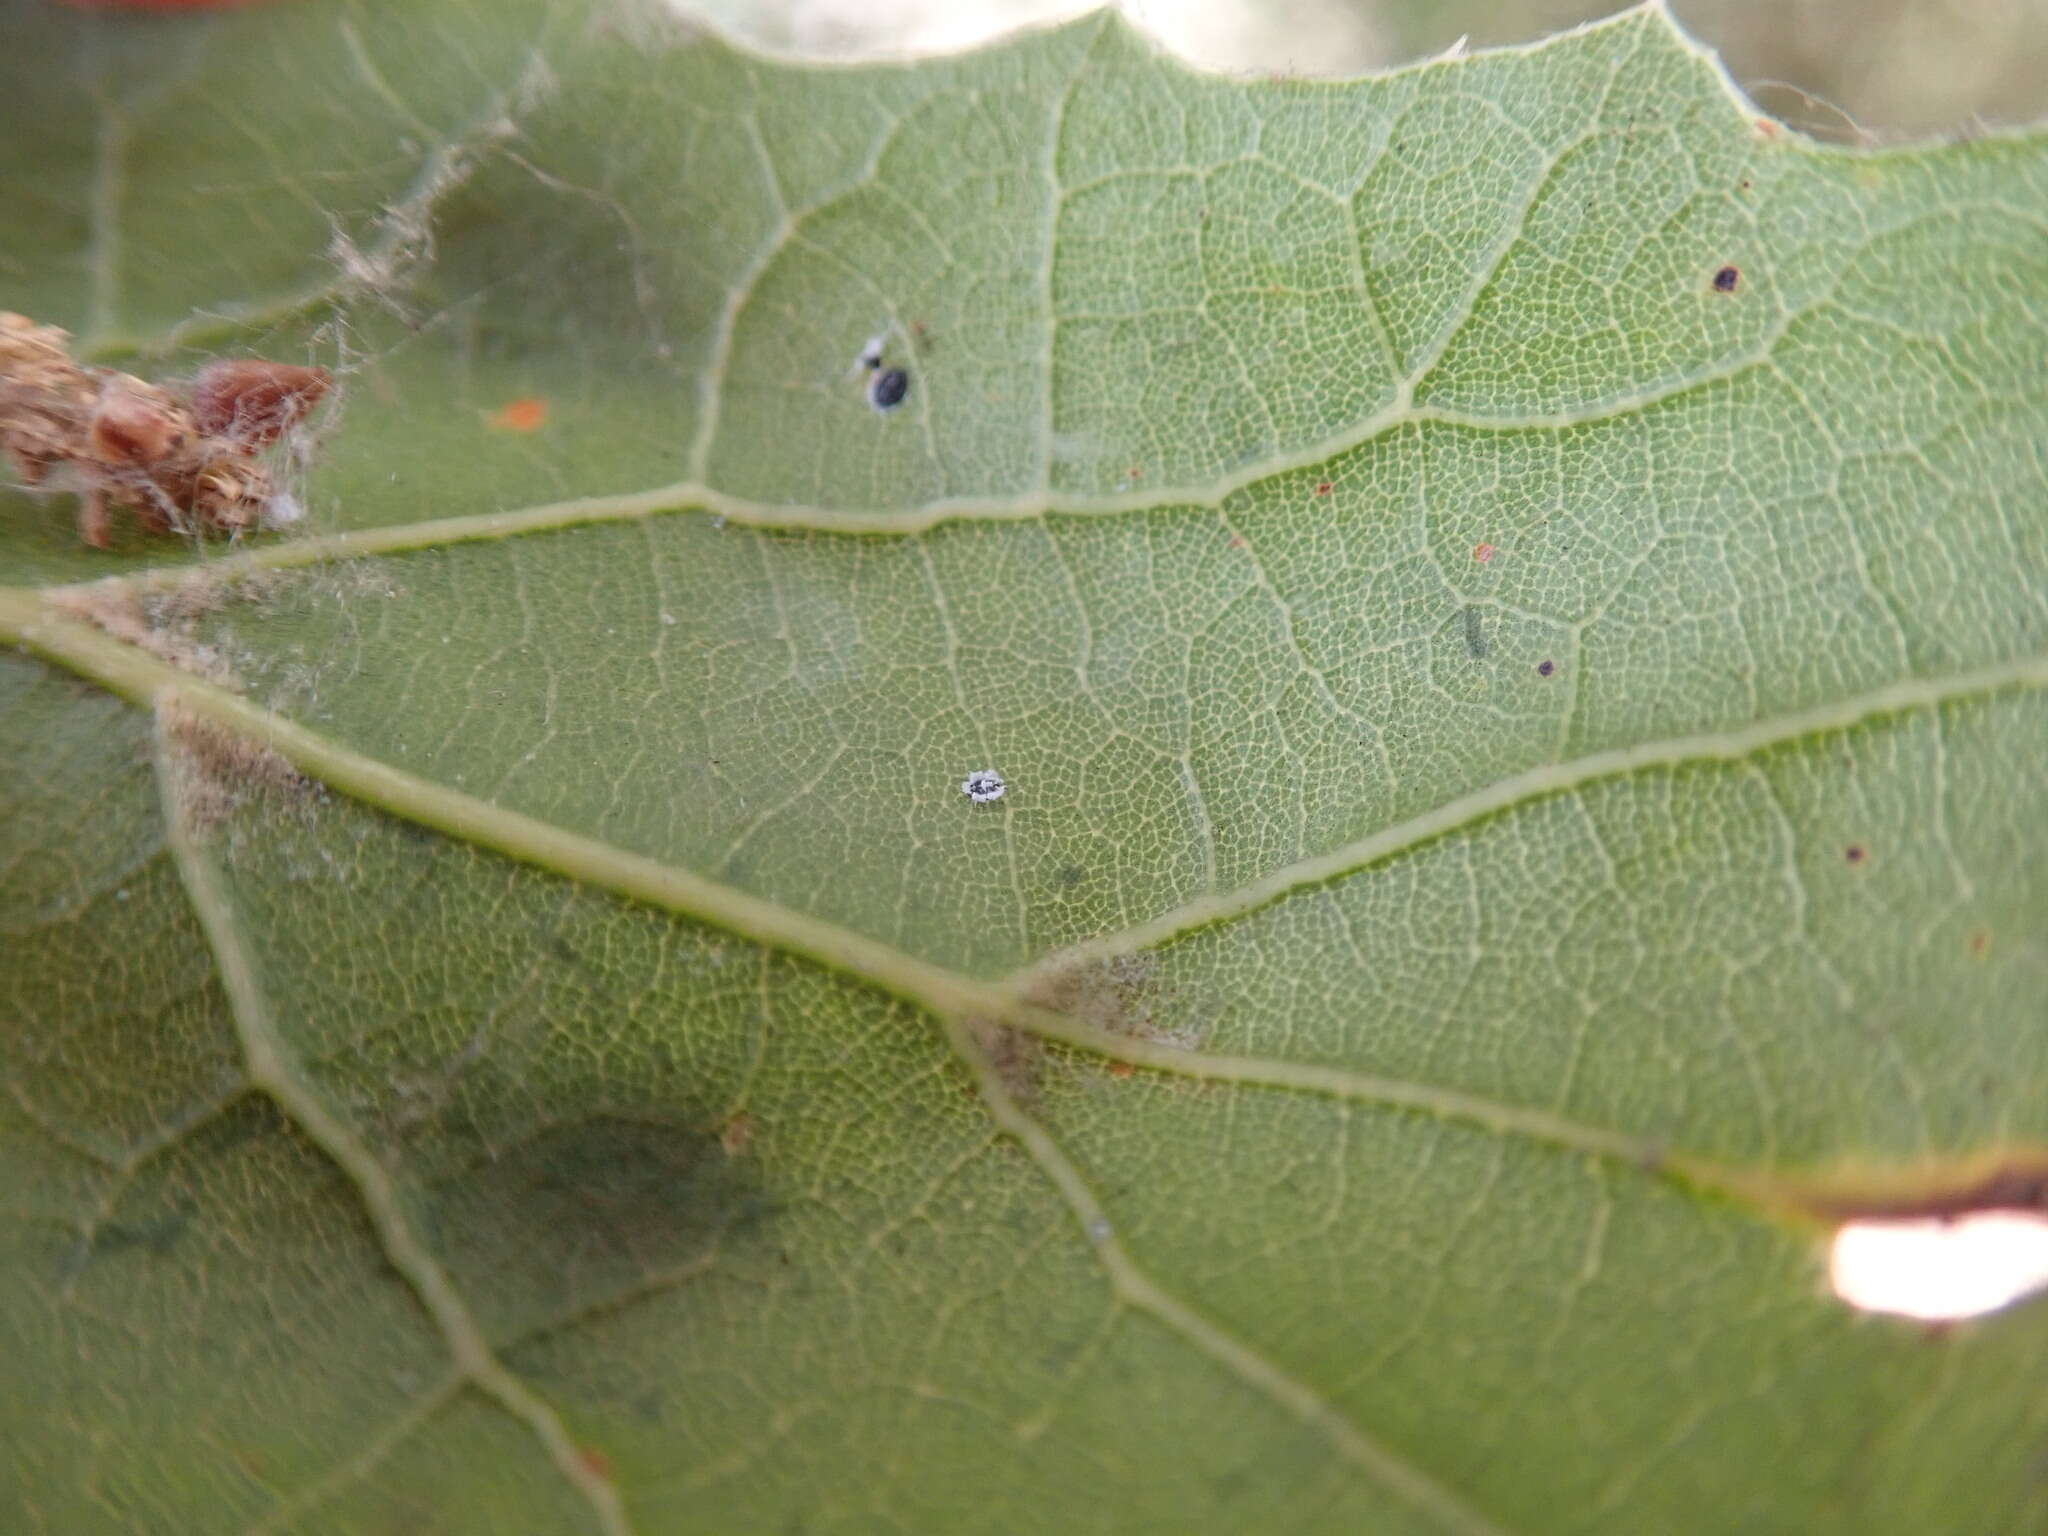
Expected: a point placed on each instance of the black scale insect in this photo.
(887, 389)
(886, 386)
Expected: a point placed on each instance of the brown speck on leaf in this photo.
(1323, 487)
(595, 1461)
(737, 1132)
(1483, 552)
(1545, 668)
(1726, 279)
(1121, 1069)
(1980, 943)
(1855, 853)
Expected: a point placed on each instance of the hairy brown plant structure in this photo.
(184, 458)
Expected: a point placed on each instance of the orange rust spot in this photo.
(1980, 942)
(1121, 1069)
(1482, 552)
(529, 413)
(1767, 128)
(1134, 472)
(595, 1461)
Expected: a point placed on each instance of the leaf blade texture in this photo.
(1522, 763)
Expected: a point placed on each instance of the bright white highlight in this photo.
(1941, 1268)
(1330, 37)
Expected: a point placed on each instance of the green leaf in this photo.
(1523, 770)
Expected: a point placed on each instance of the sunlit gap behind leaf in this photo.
(1941, 1268)
(1320, 37)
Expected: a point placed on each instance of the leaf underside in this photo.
(1522, 751)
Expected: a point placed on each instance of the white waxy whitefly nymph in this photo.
(983, 785)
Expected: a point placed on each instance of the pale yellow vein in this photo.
(272, 1071)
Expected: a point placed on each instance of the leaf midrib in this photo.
(273, 1071)
(695, 496)
(29, 619)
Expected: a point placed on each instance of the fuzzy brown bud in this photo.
(253, 401)
(136, 423)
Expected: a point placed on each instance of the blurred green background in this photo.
(1845, 70)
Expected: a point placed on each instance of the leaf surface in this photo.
(1523, 759)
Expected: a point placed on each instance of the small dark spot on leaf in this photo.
(1745, 183)
(1323, 487)
(158, 1233)
(1121, 1069)
(1545, 668)
(595, 1461)
(1475, 633)
(1226, 1486)
(1980, 941)
(887, 389)
(579, 1210)
(1854, 853)
(1726, 279)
